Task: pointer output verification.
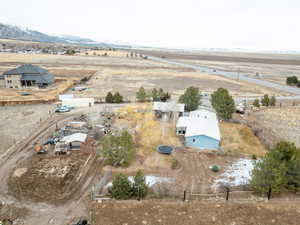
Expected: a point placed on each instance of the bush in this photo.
(215, 168)
(256, 103)
(121, 187)
(191, 98)
(298, 84)
(175, 164)
(293, 80)
(223, 103)
(118, 150)
(254, 157)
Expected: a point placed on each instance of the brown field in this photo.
(238, 138)
(196, 213)
(275, 124)
(272, 67)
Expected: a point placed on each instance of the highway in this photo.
(293, 90)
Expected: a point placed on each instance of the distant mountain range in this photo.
(18, 33)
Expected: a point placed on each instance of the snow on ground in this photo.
(151, 180)
(239, 173)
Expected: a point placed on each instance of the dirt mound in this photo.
(47, 179)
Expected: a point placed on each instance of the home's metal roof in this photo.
(168, 107)
(200, 122)
(39, 78)
(26, 69)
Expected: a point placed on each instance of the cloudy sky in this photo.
(249, 24)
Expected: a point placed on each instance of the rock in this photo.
(213, 219)
(144, 222)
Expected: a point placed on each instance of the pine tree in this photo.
(140, 188)
(266, 100)
(223, 103)
(121, 187)
(109, 98)
(191, 98)
(141, 95)
(273, 101)
(117, 98)
(154, 96)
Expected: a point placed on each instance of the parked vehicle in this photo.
(62, 109)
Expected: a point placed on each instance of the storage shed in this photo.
(75, 140)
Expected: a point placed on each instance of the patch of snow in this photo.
(239, 173)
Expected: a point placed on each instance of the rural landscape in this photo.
(109, 133)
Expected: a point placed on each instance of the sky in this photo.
(190, 24)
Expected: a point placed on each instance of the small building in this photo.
(75, 140)
(166, 110)
(200, 129)
(78, 102)
(27, 76)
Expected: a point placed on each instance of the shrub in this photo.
(223, 103)
(215, 168)
(273, 101)
(293, 80)
(256, 103)
(117, 98)
(191, 98)
(175, 164)
(254, 157)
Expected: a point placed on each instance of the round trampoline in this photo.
(165, 149)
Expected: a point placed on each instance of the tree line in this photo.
(265, 101)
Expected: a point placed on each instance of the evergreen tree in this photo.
(155, 96)
(223, 103)
(266, 100)
(273, 101)
(140, 188)
(191, 98)
(141, 95)
(121, 187)
(293, 80)
(109, 98)
(117, 98)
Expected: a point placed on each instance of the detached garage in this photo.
(78, 102)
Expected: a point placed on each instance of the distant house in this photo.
(200, 129)
(27, 76)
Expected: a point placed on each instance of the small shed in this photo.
(166, 110)
(75, 140)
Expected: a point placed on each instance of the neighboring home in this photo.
(200, 129)
(78, 102)
(2, 81)
(166, 110)
(75, 140)
(27, 76)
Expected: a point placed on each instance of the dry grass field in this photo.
(196, 213)
(275, 124)
(238, 138)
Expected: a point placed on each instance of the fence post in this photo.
(227, 193)
(184, 195)
(269, 193)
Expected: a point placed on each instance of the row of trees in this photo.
(123, 188)
(154, 95)
(265, 101)
(118, 150)
(278, 170)
(293, 80)
(116, 98)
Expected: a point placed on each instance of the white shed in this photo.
(78, 102)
